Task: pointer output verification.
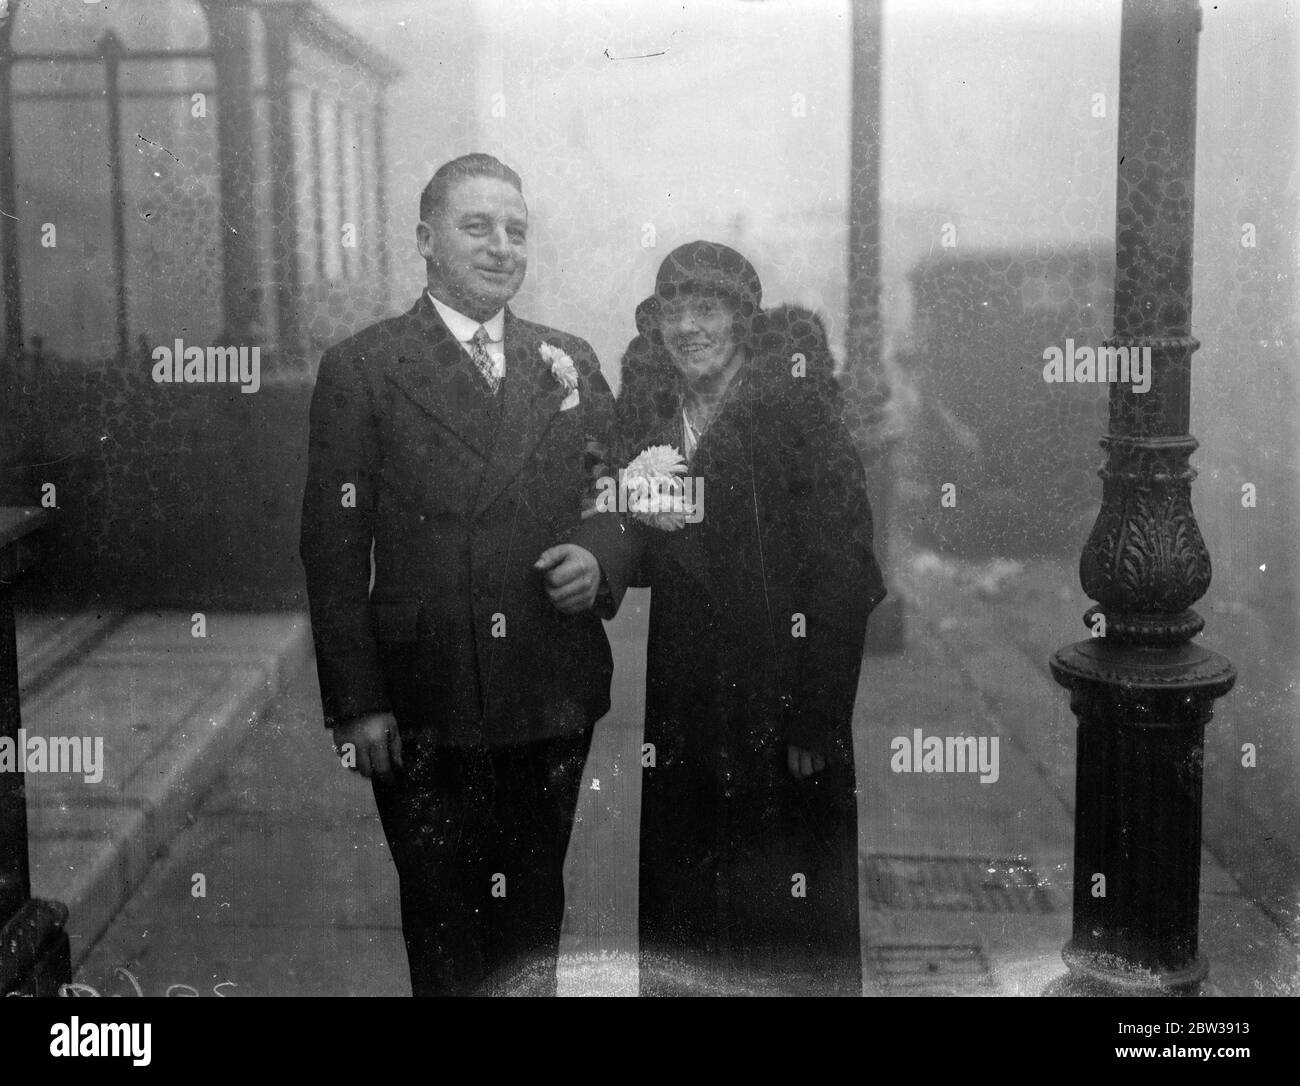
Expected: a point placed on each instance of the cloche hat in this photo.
(707, 265)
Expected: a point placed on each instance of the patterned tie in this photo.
(479, 353)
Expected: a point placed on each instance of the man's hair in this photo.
(458, 169)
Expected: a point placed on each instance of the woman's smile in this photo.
(699, 332)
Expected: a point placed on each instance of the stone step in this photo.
(50, 641)
(168, 711)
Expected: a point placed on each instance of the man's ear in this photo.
(424, 240)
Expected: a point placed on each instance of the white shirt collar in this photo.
(463, 327)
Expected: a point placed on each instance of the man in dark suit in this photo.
(460, 668)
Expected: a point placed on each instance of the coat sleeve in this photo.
(838, 583)
(335, 543)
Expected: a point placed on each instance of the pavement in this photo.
(170, 710)
(226, 848)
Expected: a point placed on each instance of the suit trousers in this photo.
(479, 837)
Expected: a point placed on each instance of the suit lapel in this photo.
(532, 397)
(431, 368)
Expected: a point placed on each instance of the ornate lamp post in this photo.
(1144, 691)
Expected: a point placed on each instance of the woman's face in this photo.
(699, 332)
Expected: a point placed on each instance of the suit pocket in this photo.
(395, 621)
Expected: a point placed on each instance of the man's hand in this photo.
(572, 577)
(375, 743)
(803, 763)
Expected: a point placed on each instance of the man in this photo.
(460, 668)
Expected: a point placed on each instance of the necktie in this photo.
(479, 353)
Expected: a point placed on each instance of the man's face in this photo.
(476, 246)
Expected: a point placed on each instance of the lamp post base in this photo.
(1093, 974)
(1137, 838)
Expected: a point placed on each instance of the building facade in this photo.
(208, 171)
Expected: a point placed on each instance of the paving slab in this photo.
(49, 640)
(300, 892)
(263, 871)
(280, 960)
(600, 875)
(167, 714)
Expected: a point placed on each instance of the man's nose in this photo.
(498, 242)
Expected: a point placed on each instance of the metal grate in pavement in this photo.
(954, 883)
(929, 969)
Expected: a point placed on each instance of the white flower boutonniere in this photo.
(564, 371)
(562, 367)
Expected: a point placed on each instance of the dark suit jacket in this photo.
(458, 495)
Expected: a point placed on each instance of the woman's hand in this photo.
(803, 763)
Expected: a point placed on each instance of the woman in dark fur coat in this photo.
(759, 603)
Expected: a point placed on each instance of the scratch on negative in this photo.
(158, 145)
(636, 56)
(44, 463)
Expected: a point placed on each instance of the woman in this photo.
(759, 604)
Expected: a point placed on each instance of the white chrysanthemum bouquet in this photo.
(656, 493)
